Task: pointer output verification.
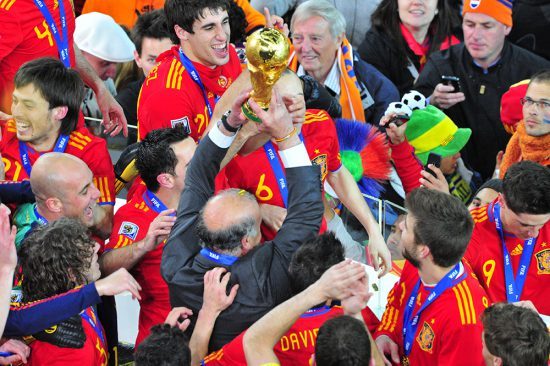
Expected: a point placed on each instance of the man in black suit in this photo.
(228, 225)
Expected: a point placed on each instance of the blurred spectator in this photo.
(323, 51)
(403, 34)
(104, 44)
(357, 14)
(487, 65)
(531, 141)
(531, 24)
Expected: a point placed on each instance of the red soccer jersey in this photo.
(296, 346)
(94, 352)
(82, 144)
(170, 97)
(24, 36)
(485, 256)
(254, 173)
(130, 225)
(449, 329)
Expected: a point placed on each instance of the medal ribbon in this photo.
(94, 323)
(192, 71)
(222, 259)
(60, 146)
(62, 44)
(410, 326)
(277, 169)
(514, 286)
(154, 202)
(41, 219)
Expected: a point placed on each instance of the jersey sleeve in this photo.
(97, 157)
(129, 226)
(10, 32)
(392, 314)
(472, 255)
(334, 161)
(24, 319)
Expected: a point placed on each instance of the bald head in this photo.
(51, 173)
(230, 222)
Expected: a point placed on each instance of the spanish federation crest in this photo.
(543, 261)
(321, 160)
(129, 230)
(426, 338)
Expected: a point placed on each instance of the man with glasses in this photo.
(532, 138)
(487, 65)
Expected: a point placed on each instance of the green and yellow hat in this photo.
(430, 130)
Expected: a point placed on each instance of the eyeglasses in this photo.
(528, 102)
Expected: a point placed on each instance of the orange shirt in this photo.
(124, 12)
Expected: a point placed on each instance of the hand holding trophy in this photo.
(267, 51)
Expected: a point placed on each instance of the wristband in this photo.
(226, 124)
(292, 133)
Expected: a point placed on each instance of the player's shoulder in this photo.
(315, 116)
(9, 132)
(167, 74)
(480, 214)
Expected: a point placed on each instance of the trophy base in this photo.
(249, 113)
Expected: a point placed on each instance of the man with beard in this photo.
(432, 313)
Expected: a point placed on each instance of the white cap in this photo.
(99, 35)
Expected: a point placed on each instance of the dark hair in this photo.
(165, 346)
(312, 259)
(58, 85)
(342, 341)
(227, 239)
(525, 187)
(386, 20)
(542, 76)
(185, 12)
(156, 156)
(237, 23)
(149, 25)
(495, 184)
(515, 334)
(443, 223)
(55, 258)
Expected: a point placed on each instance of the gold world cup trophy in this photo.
(267, 52)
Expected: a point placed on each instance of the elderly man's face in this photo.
(104, 69)
(484, 37)
(535, 107)
(315, 47)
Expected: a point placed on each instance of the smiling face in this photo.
(209, 42)
(483, 37)
(315, 46)
(416, 14)
(533, 115)
(78, 194)
(34, 120)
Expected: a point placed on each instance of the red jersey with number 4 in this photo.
(296, 346)
(485, 256)
(130, 225)
(24, 36)
(253, 172)
(449, 329)
(82, 144)
(170, 97)
(94, 352)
